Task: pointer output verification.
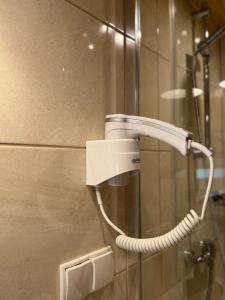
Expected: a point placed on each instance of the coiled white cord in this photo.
(169, 239)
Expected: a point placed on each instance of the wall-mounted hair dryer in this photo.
(117, 157)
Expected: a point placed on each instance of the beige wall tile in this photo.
(169, 274)
(133, 277)
(53, 82)
(197, 282)
(131, 100)
(217, 126)
(183, 107)
(184, 267)
(183, 32)
(222, 53)
(116, 290)
(148, 11)
(215, 64)
(133, 216)
(48, 216)
(164, 42)
(151, 275)
(201, 109)
(111, 11)
(148, 92)
(130, 17)
(150, 202)
(182, 187)
(218, 289)
(167, 195)
(166, 105)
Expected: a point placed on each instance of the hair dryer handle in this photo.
(120, 126)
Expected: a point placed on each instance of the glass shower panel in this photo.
(172, 184)
(159, 278)
(201, 270)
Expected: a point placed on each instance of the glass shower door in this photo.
(170, 183)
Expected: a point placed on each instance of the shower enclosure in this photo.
(178, 86)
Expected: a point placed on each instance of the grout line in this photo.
(136, 264)
(148, 258)
(40, 146)
(155, 52)
(102, 21)
(120, 272)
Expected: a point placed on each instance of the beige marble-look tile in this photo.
(115, 290)
(197, 282)
(184, 268)
(183, 32)
(111, 11)
(130, 83)
(216, 121)
(218, 288)
(182, 187)
(61, 68)
(129, 7)
(192, 116)
(148, 92)
(169, 274)
(164, 41)
(222, 57)
(166, 105)
(150, 202)
(167, 193)
(48, 216)
(133, 278)
(183, 106)
(133, 216)
(148, 10)
(151, 285)
(215, 63)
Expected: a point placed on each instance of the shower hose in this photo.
(171, 238)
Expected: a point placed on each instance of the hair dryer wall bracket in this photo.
(109, 159)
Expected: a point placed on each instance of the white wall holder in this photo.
(107, 159)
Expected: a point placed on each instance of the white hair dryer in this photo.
(117, 157)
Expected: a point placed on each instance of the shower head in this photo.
(216, 35)
(198, 15)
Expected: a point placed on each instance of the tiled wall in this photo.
(168, 189)
(157, 182)
(63, 69)
(65, 64)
